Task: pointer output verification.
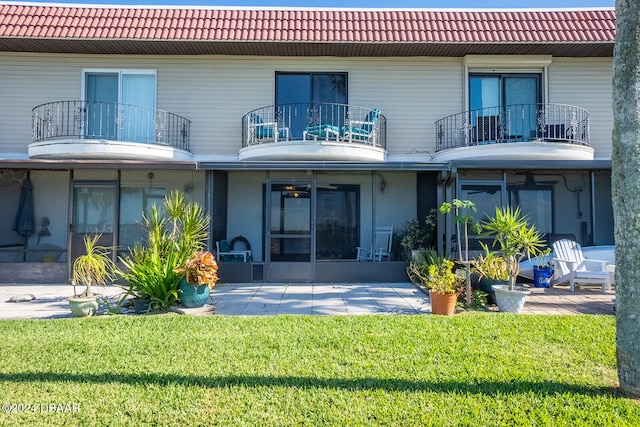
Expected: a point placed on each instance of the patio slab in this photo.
(269, 299)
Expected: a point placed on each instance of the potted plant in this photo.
(172, 235)
(516, 239)
(94, 268)
(200, 276)
(464, 223)
(542, 270)
(435, 272)
(491, 269)
(419, 235)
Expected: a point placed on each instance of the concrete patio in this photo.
(260, 299)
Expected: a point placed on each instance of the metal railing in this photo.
(513, 123)
(109, 121)
(314, 122)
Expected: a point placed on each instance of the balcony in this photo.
(519, 131)
(309, 132)
(107, 131)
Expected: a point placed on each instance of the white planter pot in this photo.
(83, 307)
(510, 301)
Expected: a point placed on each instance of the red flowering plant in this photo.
(200, 269)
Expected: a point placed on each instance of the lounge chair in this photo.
(571, 265)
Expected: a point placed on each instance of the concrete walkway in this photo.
(258, 299)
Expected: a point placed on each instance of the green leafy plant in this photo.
(435, 272)
(539, 260)
(478, 301)
(463, 218)
(173, 234)
(490, 265)
(420, 235)
(94, 268)
(515, 238)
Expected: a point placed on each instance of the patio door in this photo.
(120, 105)
(506, 105)
(290, 236)
(93, 211)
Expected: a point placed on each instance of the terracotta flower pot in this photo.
(443, 304)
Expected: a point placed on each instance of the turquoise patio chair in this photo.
(363, 130)
(259, 130)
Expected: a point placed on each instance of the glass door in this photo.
(504, 106)
(120, 105)
(290, 237)
(321, 95)
(93, 211)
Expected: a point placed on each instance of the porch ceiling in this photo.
(43, 164)
(325, 166)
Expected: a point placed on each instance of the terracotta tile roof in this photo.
(305, 25)
(263, 25)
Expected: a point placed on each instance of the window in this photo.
(485, 195)
(120, 105)
(311, 93)
(504, 106)
(337, 225)
(134, 201)
(535, 203)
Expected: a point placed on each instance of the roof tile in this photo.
(319, 25)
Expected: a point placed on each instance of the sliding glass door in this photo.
(504, 106)
(120, 105)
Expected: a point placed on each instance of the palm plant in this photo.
(94, 268)
(515, 238)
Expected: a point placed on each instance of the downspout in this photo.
(444, 221)
(374, 205)
(592, 185)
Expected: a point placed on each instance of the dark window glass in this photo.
(303, 100)
(337, 225)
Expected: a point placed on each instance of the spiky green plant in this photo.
(94, 268)
(173, 234)
(514, 236)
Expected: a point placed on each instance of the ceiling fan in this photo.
(530, 182)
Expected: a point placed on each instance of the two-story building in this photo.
(300, 130)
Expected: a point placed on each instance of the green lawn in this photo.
(478, 369)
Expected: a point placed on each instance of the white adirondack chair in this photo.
(381, 249)
(571, 265)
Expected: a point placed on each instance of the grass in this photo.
(470, 369)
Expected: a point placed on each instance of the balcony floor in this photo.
(100, 149)
(316, 150)
(531, 150)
